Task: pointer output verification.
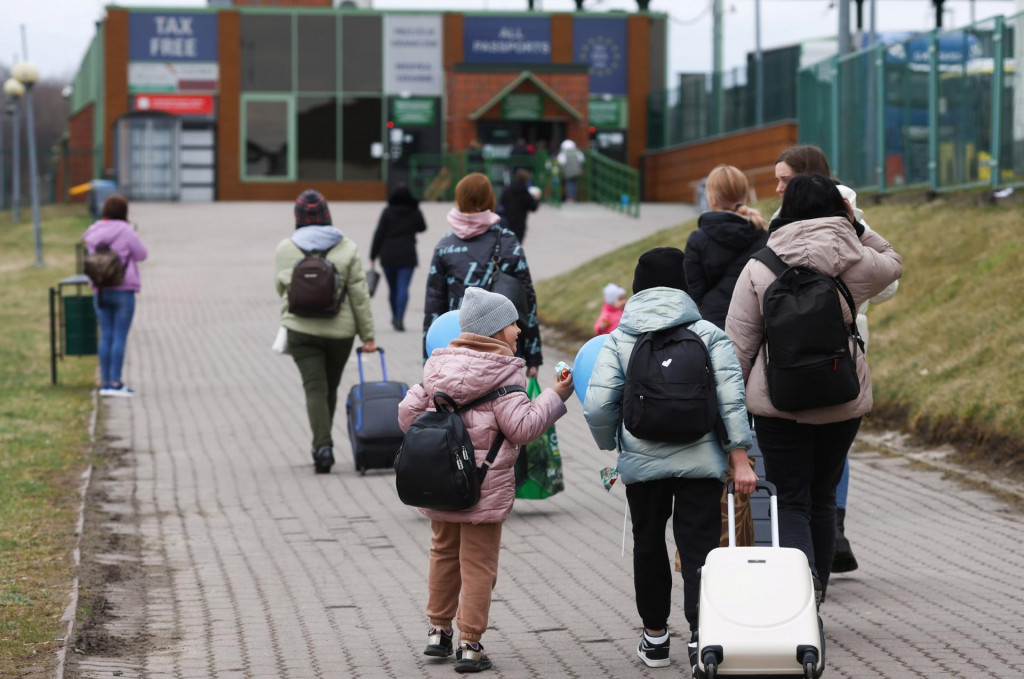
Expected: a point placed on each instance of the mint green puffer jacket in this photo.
(641, 460)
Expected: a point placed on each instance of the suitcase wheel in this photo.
(712, 656)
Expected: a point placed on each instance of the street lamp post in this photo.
(14, 90)
(28, 74)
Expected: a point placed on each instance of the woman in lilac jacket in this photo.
(115, 306)
(465, 544)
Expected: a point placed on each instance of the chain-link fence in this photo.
(941, 110)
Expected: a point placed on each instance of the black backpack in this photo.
(670, 394)
(315, 290)
(436, 464)
(807, 356)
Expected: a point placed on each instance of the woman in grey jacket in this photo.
(683, 481)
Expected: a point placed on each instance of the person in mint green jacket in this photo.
(321, 346)
(682, 481)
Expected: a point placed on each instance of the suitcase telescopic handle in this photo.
(383, 367)
(773, 501)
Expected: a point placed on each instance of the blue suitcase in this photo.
(372, 409)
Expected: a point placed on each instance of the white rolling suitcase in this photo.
(757, 611)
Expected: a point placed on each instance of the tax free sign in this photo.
(173, 37)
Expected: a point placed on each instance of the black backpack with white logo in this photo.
(669, 393)
(436, 465)
(807, 358)
(315, 290)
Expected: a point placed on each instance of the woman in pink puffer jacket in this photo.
(465, 544)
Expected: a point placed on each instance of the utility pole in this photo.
(759, 64)
(844, 27)
(938, 12)
(717, 94)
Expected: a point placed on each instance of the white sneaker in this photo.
(122, 391)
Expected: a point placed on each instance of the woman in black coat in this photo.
(724, 240)
(516, 203)
(394, 242)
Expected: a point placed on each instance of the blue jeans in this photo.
(570, 188)
(115, 317)
(843, 489)
(398, 278)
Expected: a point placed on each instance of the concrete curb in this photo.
(71, 612)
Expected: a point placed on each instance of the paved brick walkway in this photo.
(252, 566)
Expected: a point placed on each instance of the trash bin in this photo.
(73, 327)
(99, 191)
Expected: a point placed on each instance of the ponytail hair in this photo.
(728, 188)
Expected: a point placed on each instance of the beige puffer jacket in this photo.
(830, 245)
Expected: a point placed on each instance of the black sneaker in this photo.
(471, 658)
(691, 651)
(439, 643)
(819, 592)
(323, 459)
(653, 655)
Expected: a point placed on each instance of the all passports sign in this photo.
(514, 38)
(173, 37)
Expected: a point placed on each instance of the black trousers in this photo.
(696, 525)
(805, 462)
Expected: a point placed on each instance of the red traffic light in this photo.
(391, 124)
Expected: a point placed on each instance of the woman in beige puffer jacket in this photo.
(805, 451)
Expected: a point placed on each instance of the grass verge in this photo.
(947, 352)
(43, 441)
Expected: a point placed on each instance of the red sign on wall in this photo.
(177, 104)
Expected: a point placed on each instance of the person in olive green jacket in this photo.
(321, 346)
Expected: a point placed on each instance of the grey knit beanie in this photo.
(485, 313)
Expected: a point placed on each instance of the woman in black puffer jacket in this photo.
(394, 242)
(724, 240)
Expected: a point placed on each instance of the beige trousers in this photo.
(463, 560)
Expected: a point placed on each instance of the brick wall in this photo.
(467, 92)
(77, 167)
(671, 175)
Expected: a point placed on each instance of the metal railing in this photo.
(612, 184)
(942, 111)
(433, 176)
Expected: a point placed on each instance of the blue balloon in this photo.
(586, 357)
(443, 330)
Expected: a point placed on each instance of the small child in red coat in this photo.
(611, 311)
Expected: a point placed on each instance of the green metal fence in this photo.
(942, 111)
(612, 184)
(690, 111)
(432, 177)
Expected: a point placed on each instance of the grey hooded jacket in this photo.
(642, 460)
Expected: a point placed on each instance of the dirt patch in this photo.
(111, 575)
(976, 445)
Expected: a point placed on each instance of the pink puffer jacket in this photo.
(829, 245)
(468, 368)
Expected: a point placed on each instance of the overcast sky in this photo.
(60, 30)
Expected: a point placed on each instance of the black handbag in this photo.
(507, 285)
(436, 465)
(372, 279)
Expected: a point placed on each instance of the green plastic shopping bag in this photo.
(539, 467)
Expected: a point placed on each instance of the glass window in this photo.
(317, 54)
(362, 62)
(266, 138)
(362, 125)
(266, 52)
(317, 119)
